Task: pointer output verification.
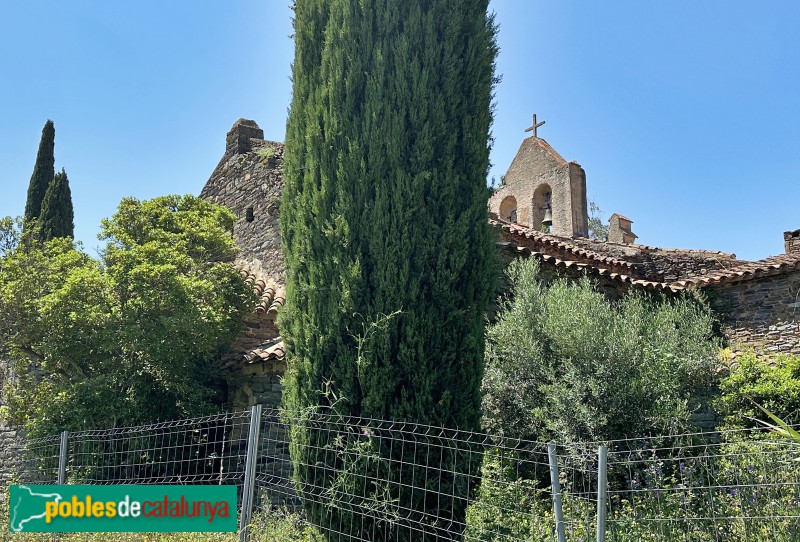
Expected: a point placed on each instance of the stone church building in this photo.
(758, 301)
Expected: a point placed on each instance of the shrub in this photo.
(772, 383)
(565, 363)
(283, 526)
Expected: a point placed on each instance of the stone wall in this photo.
(249, 181)
(11, 455)
(12, 443)
(16, 468)
(259, 328)
(257, 383)
(762, 314)
(253, 375)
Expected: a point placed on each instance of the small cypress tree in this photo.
(57, 216)
(43, 172)
(388, 253)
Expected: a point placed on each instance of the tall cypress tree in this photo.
(57, 216)
(43, 172)
(388, 251)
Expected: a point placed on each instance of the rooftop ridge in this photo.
(563, 244)
(547, 147)
(622, 271)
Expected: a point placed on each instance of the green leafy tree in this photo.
(565, 363)
(10, 231)
(43, 172)
(57, 217)
(128, 339)
(598, 228)
(388, 252)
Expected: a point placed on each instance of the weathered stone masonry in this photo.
(763, 314)
(11, 461)
(249, 181)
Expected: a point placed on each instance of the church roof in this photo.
(630, 265)
(642, 266)
(774, 265)
(558, 247)
(247, 169)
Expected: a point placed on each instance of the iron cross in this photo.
(535, 126)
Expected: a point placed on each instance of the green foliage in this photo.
(43, 172)
(737, 491)
(266, 151)
(598, 228)
(508, 507)
(779, 427)
(384, 210)
(130, 338)
(564, 363)
(10, 233)
(57, 216)
(772, 383)
(282, 526)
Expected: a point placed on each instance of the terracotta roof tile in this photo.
(553, 249)
(550, 244)
(271, 295)
(774, 265)
(270, 298)
(270, 351)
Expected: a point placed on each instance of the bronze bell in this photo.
(548, 217)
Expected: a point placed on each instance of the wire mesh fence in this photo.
(363, 479)
(40, 461)
(200, 450)
(735, 486)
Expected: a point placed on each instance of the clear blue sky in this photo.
(684, 114)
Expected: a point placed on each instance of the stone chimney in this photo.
(791, 240)
(619, 229)
(238, 139)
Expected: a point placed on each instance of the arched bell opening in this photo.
(508, 209)
(542, 212)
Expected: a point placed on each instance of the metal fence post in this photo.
(249, 472)
(62, 466)
(602, 489)
(556, 490)
(62, 459)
